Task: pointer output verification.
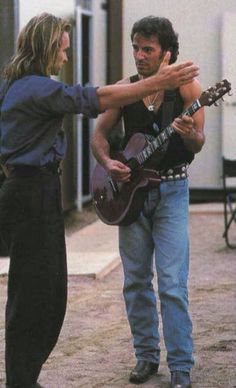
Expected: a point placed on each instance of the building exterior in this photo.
(102, 53)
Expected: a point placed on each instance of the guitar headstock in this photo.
(214, 93)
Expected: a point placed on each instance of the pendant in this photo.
(151, 108)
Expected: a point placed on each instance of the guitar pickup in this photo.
(114, 186)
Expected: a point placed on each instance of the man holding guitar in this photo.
(162, 225)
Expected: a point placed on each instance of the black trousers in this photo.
(32, 227)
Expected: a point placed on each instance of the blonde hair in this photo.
(37, 47)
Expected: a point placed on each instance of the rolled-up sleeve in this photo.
(87, 100)
(58, 98)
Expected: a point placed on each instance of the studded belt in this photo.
(175, 173)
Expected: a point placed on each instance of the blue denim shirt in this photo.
(31, 118)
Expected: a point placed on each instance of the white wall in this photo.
(30, 8)
(199, 26)
(99, 44)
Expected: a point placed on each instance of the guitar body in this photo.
(118, 203)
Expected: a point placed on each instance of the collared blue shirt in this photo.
(31, 118)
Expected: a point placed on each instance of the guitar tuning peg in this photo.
(216, 104)
(230, 93)
(222, 98)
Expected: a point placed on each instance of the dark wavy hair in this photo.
(37, 47)
(161, 28)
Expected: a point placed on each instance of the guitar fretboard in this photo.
(163, 137)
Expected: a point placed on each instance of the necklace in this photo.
(150, 104)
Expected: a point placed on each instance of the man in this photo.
(32, 146)
(162, 225)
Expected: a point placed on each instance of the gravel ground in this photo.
(95, 346)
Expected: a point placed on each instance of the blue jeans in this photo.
(162, 228)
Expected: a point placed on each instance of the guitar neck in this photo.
(163, 137)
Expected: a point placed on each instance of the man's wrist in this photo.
(105, 161)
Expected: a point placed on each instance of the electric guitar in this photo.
(118, 203)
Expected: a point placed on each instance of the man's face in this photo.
(147, 53)
(62, 56)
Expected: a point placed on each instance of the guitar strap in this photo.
(168, 107)
(167, 112)
(167, 118)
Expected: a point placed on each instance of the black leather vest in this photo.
(137, 118)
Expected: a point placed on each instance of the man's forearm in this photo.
(168, 77)
(100, 148)
(194, 141)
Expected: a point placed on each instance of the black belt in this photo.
(25, 170)
(156, 177)
(174, 173)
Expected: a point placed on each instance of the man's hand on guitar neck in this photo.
(191, 134)
(184, 126)
(117, 170)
